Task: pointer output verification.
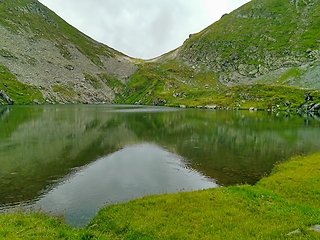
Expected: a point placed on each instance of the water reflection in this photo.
(130, 173)
(41, 145)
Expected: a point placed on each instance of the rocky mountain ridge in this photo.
(254, 57)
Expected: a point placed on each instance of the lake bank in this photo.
(72, 159)
(277, 205)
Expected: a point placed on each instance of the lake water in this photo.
(73, 159)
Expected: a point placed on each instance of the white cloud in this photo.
(141, 28)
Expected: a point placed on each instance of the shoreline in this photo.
(285, 202)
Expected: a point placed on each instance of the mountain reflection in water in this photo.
(132, 172)
(43, 148)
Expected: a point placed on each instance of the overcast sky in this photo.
(142, 28)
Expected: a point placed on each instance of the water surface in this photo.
(73, 159)
(130, 173)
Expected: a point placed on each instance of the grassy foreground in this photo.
(277, 205)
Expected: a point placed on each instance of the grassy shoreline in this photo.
(277, 205)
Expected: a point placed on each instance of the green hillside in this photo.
(264, 55)
(256, 40)
(265, 44)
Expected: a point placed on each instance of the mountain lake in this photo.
(73, 159)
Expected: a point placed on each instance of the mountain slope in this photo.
(40, 51)
(263, 55)
(265, 41)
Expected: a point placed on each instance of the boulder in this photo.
(36, 101)
(6, 98)
(211, 107)
(315, 108)
(158, 101)
(294, 232)
(308, 97)
(69, 67)
(315, 228)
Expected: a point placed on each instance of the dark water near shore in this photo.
(73, 159)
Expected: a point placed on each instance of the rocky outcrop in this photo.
(309, 105)
(315, 107)
(6, 98)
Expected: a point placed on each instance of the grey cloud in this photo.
(138, 28)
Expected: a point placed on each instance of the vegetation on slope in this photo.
(42, 50)
(173, 85)
(20, 93)
(31, 16)
(284, 203)
(257, 39)
(254, 57)
(273, 42)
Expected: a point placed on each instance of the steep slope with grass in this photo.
(275, 43)
(265, 41)
(44, 59)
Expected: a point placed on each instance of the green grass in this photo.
(116, 85)
(36, 225)
(20, 93)
(297, 180)
(154, 82)
(242, 212)
(277, 205)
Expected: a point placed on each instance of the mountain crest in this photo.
(250, 58)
